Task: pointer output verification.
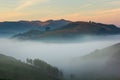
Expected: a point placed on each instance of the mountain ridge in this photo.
(102, 64)
(14, 27)
(71, 30)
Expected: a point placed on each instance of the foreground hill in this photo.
(71, 31)
(11, 28)
(101, 64)
(12, 69)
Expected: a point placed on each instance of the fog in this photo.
(56, 54)
(62, 55)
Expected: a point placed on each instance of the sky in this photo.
(105, 11)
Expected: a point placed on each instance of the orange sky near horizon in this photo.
(105, 11)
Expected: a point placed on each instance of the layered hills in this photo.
(70, 31)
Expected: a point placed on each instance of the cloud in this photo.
(27, 3)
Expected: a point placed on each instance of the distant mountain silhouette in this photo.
(12, 28)
(70, 31)
(13, 69)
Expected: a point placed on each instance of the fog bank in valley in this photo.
(54, 53)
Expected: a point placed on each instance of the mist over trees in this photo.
(12, 69)
(53, 71)
(27, 37)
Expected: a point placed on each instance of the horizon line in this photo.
(57, 20)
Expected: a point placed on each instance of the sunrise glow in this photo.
(105, 11)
